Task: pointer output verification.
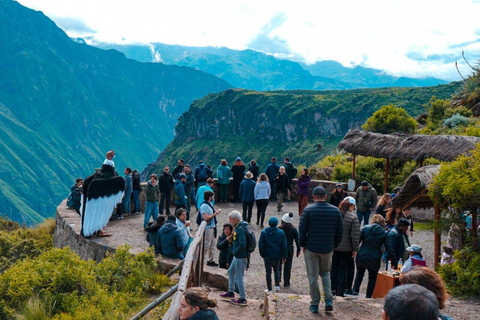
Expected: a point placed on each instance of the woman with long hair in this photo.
(337, 195)
(392, 217)
(195, 305)
(384, 204)
(262, 194)
(430, 280)
(343, 265)
(372, 237)
(303, 190)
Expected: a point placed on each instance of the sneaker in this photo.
(348, 291)
(212, 264)
(239, 301)
(120, 217)
(268, 291)
(328, 305)
(314, 309)
(286, 285)
(351, 293)
(227, 295)
(277, 288)
(288, 200)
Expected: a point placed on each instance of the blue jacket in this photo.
(395, 245)
(272, 170)
(199, 196)
(247, 190)
(372, 237)
(321, 228)
(170, 240)
(180, 199)
(273, 244)
(128, 184)
(189, 182)
(240, 240)
(223, 174)
(262, 190)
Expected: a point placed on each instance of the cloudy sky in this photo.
(416, 38)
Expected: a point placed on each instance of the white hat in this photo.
(351, 200)
(288, 217)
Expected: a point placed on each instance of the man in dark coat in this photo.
(166, 184)
(170, 239)
(320, 232)
(75, 197)
(136, 191)
(238, 170)
(271, 171)
(290, 171)
(189, 187)
(254, 169)
(178, 169)
(398, 242)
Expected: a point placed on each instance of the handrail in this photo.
(191, 272)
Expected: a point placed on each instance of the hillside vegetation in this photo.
(64, 104)
(260, 125)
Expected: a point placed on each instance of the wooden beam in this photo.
(438, 239)
(387, 167)
(414, 198)
(353, 171)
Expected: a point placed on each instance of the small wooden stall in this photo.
(414, 193)
(405, 147)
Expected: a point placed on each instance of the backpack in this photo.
(202, 173)
(295, 171)
(250, 239)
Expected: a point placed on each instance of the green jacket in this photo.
(152, 193)
(223, 174)
(240, 241)
(362, 197)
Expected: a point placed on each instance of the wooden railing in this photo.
(192, 270)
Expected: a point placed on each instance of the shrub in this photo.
(390, 119)
(463, 276)
(455, 121)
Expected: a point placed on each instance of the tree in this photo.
(458, 185)
(390, 119)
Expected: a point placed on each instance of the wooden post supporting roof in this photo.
(436, 251)
(387, 165)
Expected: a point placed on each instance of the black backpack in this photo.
(250, 239)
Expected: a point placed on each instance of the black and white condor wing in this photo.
(98, 202)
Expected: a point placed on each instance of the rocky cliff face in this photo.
(301, 124)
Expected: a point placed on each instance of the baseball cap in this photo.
(319, 191)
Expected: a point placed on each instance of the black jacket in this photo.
(166, 183)
(395, 245)
(136, 180)
(321, 228)
(336, 198)
(372, 237)
(290, 170)
(255, 170)
(177, 171)
(282, 183)
(292, 235)
(225, 248)
(238, 172)
(204, 315)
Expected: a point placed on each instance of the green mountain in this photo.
(259, 71)
(64, 104)
(259, 125)
(360, 76)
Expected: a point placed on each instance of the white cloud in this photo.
(400, 37)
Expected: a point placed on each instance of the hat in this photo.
(414, 248)
(319, 191)
(351, 200)
(339, 185)
(238, 159)
(288, 217)
(273, 221)
(248, 175)
(364, 183)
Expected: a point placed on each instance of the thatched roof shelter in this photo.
(416, 147)
(414, 191)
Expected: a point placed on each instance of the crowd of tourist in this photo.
(330, 235)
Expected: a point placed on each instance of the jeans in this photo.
(165, 200)
(318, 264)
(343, 270)
(247, 207)
(136, 200)
(235, 276)
(372, 280)
(287, 269)
(151, 209)
(275, 266)
(365, 215)
(223, 191)
(302, 203)
(262, 205)
(127, 207)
